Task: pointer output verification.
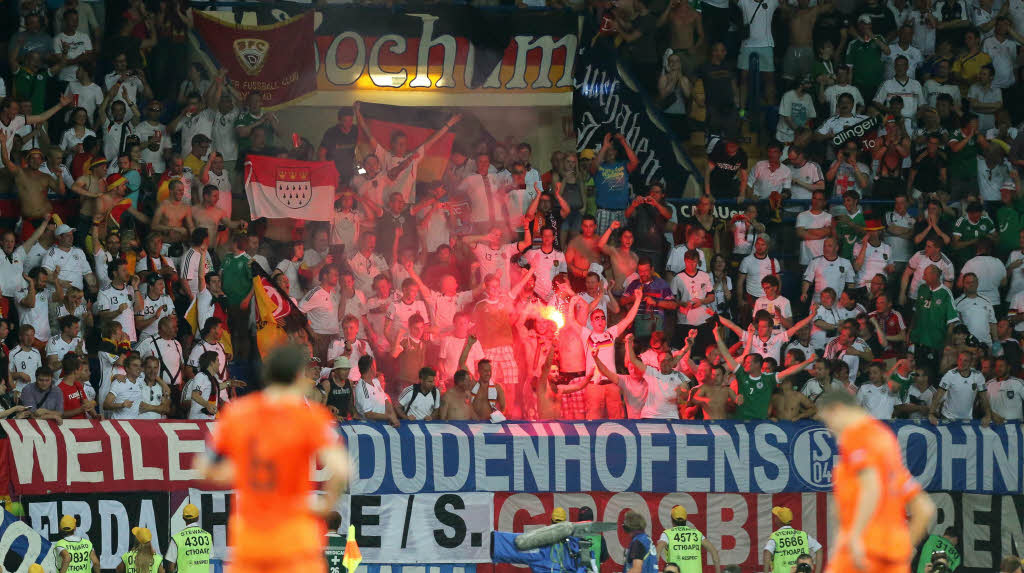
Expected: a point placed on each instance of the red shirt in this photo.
(892, 325)
(78, 164)
(73, 398)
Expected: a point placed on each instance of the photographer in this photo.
(941, 547)
(804, 564)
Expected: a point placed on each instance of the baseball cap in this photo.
(341, 362)
(678, 512)
(559, 515)
(190, 511)
(61, 229)
(588, 154)
(142, 534)
(36, 568)
(864, 18)
(784, 514)
(68, 523)
(873, 225)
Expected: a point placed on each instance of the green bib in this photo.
(194, 545)
(129, 563)
(80, 552)
(684, 548)
(931, 545)
(334, 552)
(789, 544)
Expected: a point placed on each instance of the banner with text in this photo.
(609, 99)
(434, 457)
(435, 55)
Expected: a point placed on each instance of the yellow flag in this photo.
(353, 557)
(268, 308)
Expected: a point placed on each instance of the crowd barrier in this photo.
(427, 495)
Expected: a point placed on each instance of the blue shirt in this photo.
(657, 288)
(641, 547)
(611, 185)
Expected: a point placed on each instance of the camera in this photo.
(940, 562)
(803, 568)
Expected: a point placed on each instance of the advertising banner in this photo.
(436, 55)
(608, 100)
(435, 457)
(106, 519)
(277, 60)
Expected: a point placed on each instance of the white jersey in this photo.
(756, 269)
(59, 347)
(605, 344)
(1006, 397)
(546, 266)
(810, 248)
(978, 315)
(496, 261)
(823, 273)
(661, 402)
(170, 354)
(203, 346)
(124, 390)
(38, 316)
(111, 298)
(875, 261)
(770, 348)
(688, 288)
(149, 310)
(25, 362)
(779, 303)
(919, 262)
(321, 308)
(153, 395)
(879, 401)
(991, 273)
(958, 402)
(901, 247)
(73, 264)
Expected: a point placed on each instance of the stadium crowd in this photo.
(569, 290)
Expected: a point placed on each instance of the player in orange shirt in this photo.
(874, 492)
(263, 446)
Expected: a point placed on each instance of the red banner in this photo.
(83, 456)
(278, 59)
(737, 524)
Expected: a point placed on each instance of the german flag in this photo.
(418, 126)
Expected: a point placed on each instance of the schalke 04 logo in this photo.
(813, 452)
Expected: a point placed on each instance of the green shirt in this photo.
(757, 395)
(938, 543)
(867, 61)
(933, 311)
(969, 231)
(1009, 224)
(33, 87)
(848, 236)
(904, 383)
(245, 119)
(963, 164)
(236, 276)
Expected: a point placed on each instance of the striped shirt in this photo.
(191, 266)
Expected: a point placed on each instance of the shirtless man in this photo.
(173, 217)
(455, 403)
(713, 396)
(488, 396)
(686, 33)
(790, 405)
(117, 188)
(548, 407)
(623, 259)
(582, 252)
(800, 57)
(211, 216)
(31, 185)
(572, 358)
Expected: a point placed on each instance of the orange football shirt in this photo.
(871, 444)
(272, 445)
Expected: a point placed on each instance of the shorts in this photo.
(841, 563)
(29, 226)
(606, 216)
(314, 564)
(504, 367)
(766, 54)
(798, 62)
(573, 405)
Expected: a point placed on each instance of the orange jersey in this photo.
(871, 444)
(272, 445)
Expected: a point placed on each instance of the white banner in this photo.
(421, 528)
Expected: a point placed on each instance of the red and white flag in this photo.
(286, 188)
